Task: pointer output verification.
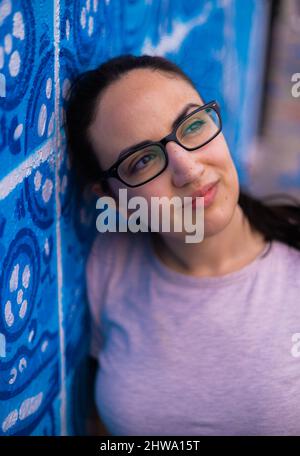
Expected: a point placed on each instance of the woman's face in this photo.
(142, 105)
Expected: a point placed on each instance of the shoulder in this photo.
(109, 251)
(104, 254)
(104, 246)
(111, 258)
(288, 260)
(287, 252)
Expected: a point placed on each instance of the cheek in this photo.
(227, 197)
(157, 188)
(115, 185)
(218, 154)
(143, 191)
(220, 159)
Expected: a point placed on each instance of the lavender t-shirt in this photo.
(185, 355)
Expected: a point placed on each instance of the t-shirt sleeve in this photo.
(96, 272)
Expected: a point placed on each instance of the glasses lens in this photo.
(142, 165)
(199, 128)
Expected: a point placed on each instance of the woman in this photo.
(191, 338)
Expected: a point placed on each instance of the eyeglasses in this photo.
(139, 164)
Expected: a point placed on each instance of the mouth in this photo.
(208, 192)
(203, 190)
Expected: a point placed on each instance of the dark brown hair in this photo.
(275, 221)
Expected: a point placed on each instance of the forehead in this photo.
(141, 105)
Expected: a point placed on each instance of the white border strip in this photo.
(63, 389)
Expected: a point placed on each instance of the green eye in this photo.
(195, 126)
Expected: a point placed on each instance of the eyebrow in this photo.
(178, 119)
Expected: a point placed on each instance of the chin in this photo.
(218, 219)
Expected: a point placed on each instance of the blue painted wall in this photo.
(45, 226)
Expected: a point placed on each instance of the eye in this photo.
(141, 163)
(195, 126)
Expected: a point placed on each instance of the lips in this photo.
(203, 190)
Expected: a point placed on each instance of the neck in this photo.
(227, 251)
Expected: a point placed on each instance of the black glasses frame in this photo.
(113, 170)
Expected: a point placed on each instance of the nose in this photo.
(184, 165)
